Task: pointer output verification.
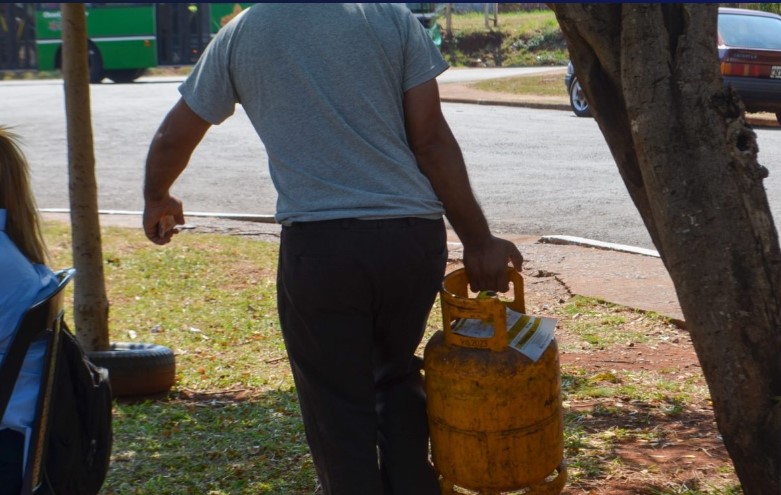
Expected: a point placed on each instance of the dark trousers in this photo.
(11, 453)
(354, 297)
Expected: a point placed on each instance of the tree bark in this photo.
(90, 300)
(689, 161)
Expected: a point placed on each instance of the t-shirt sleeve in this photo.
(209, 90)
(422, 60)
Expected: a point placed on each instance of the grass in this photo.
(524, 22)
(26, 75)
(213, 443)
(601, 324)
(231, 424)
(663, 395)
(520, 39)
(548, 84)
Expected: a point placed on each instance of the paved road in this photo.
(536, 172)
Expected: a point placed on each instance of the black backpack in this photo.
(69, 454)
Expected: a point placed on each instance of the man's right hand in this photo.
(159, 219)
(170, 150)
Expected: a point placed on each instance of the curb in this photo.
(755, 120)
(507, 103)
(608, 246)
(242, 217)
(567, 240)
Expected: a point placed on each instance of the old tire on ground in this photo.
(137, 369)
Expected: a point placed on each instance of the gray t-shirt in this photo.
(323, 85)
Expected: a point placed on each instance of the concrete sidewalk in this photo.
(612, 273)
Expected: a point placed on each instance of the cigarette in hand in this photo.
(165, 226)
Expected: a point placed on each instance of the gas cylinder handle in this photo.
(457, 304)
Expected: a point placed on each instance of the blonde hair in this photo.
(22, 223)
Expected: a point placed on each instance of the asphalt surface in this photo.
(624, 275)
(620, 274)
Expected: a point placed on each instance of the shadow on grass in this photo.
(651, 446)
(206, 443)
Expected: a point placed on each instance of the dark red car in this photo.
(749, 45)
(750, 54)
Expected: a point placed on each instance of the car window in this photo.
(750, 31)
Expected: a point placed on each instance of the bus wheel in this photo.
(123, 76)
(95, 64)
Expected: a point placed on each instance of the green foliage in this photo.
(775, 8)
(521, 38)
(770, 7)
(541, 47)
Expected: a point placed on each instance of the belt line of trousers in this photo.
(354, 297)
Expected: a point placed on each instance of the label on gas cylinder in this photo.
(529, 335)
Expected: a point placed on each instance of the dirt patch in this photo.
(638, 417)
(647, 442)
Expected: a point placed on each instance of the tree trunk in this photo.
(90, 301)
(689, 161)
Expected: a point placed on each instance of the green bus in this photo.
(125, 39)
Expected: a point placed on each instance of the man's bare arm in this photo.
(169, 153)
(440, 159)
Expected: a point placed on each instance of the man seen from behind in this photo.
(345, 100)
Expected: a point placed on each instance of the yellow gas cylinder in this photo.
(495, 415)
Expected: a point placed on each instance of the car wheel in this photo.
(577, 99)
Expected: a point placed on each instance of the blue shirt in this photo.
(22, 284)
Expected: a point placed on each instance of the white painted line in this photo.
(245, 217)
(581, 241)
